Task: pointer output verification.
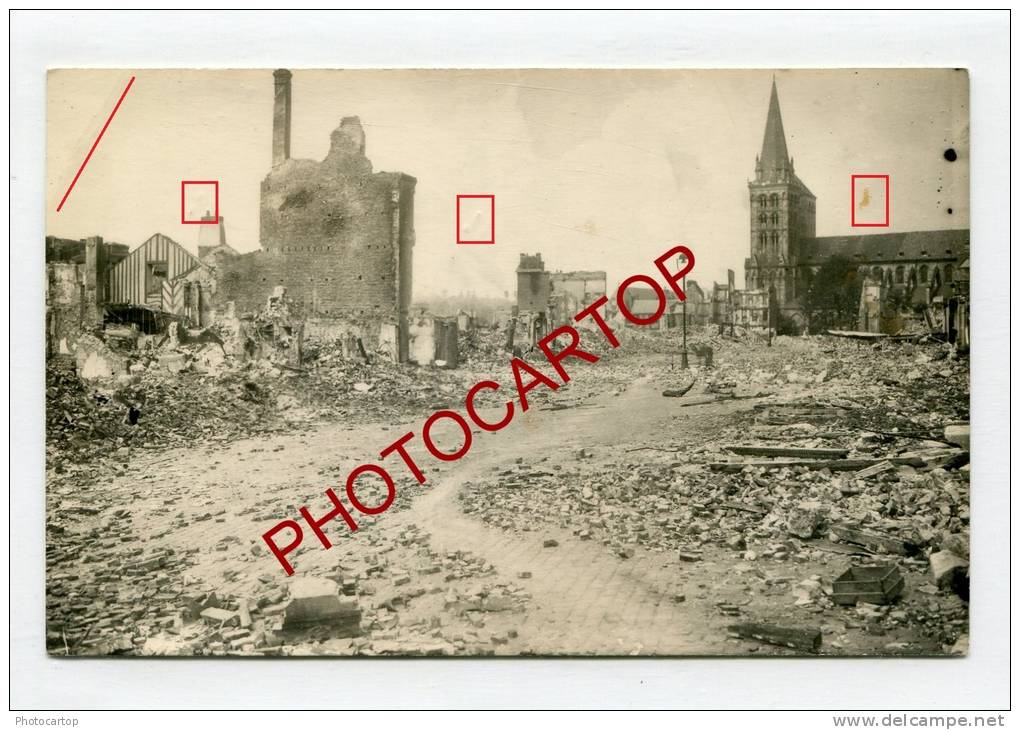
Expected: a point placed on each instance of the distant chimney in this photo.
(281, 116)
(210, 236)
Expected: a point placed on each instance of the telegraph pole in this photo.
(681, 260)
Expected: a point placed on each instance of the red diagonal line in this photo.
(95, 144)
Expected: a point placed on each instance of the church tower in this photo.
(782, 214)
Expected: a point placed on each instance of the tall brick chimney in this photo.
(281, 116)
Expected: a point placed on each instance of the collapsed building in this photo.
(78, 285)
(335, 257)
(546, 299)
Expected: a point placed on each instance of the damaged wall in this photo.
(533, 284)
(64, 306)
(338, 236)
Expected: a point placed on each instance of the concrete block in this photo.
(316, 601)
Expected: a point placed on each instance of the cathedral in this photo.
(785, 252)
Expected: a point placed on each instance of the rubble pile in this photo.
(110, 599)
(851, 472)
(123, 596)
(149, 409)
(482, 346)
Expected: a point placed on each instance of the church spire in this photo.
(774, 159)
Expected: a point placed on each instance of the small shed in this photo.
(153, 275)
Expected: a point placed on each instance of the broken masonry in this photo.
(526, 378)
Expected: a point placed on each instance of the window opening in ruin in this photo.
(924, 273)
(156, 273)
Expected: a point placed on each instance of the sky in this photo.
(595, 169)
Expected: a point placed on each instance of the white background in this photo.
(978, 41)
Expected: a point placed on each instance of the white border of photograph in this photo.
(978, 41)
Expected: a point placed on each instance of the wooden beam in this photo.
(809, 640)
(803, 452)
(875, 541)
(733, 467)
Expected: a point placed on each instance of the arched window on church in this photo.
(761, 219)
(923, 273)
(762, 202)
(899, 275)
(761, 239)
(876, 273)
(774, 200)
(775, 217)
(888, 278)
(949, 272)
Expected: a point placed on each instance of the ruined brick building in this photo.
(337, 235)
(785, 252)
(550, 298)
(78, 285)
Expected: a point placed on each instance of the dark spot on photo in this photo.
(950, 154)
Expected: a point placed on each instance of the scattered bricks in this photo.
(218, 616)
(524, 574)
(806, 519)
(550, 543)
(316, 601)
(147, 565)
(688, 557)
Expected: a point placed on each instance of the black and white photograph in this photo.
(508, 362)
(497, 360)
